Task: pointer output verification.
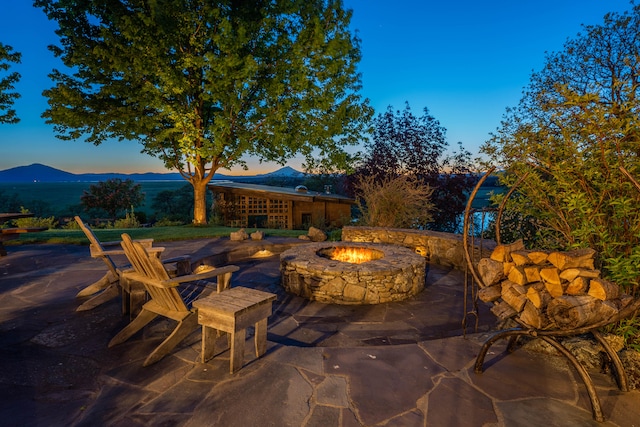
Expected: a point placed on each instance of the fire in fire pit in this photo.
(351, 254)
(379, 274)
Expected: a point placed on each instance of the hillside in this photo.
(41, 173)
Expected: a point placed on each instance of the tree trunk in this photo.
(200, 201)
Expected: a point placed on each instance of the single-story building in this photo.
(264, 206)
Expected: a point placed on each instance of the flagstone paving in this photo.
(400, 364)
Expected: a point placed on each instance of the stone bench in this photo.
(440, 248)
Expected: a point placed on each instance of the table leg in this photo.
(260, 338)
(209, 336)
(237, 350)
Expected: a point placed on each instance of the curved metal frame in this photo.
(549, 336)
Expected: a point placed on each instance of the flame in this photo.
(351, 255)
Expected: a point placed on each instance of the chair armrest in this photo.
(132, 275)
(177, 259)
(204, 275)
(155, 250)
(99, 253)
(147, 243)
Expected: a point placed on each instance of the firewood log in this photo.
(533, 273)
(534, 317)
(538, 295)
(507, 266)
(554, 289)
(578, 258)
(502, 253)
(520, 257)
(550, 275)
(490, 271)
(603, 289)
(577, 286)
(552, 281)
(538, 257)
(571, 273)
(625, 300)
(621, 302)
(575, 311)
(503, 311)
(517, 275)
(514, 295)
(490, 293)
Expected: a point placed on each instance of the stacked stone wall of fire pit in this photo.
(444, 249)
(398, 275)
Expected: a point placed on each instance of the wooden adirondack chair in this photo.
(115, 280)
(169, 297)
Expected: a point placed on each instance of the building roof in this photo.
(276, 192)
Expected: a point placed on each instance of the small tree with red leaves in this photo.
(113, 196)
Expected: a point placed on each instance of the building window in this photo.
(277, 206)
(256, 206)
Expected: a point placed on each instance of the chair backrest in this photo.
(151, 268)
(95, 247)
(93, 239)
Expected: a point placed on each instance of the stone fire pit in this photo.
(393, 273)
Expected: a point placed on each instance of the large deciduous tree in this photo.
(200, 83)
(404, 144)
(7, 81)
(574, 133)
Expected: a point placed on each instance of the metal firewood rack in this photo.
(549, 336)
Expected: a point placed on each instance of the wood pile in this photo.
(548, 290)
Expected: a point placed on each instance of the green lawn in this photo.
(159, 234)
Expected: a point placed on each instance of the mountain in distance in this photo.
(41, 173)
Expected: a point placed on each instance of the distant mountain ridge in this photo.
(41, 173)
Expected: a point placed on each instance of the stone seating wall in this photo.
(440, 248)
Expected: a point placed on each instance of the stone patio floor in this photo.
(399, 364)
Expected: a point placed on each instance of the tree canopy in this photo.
(405, 144)
(202, 83)
(7, 81)
(572, 136)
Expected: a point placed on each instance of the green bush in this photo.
(35, 222)
(129, 221)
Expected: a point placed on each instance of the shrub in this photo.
(400, 202)
(49, 222)
(129, 221)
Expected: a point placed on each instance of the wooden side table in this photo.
(232, 311)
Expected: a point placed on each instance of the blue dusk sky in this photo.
(465, 60)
